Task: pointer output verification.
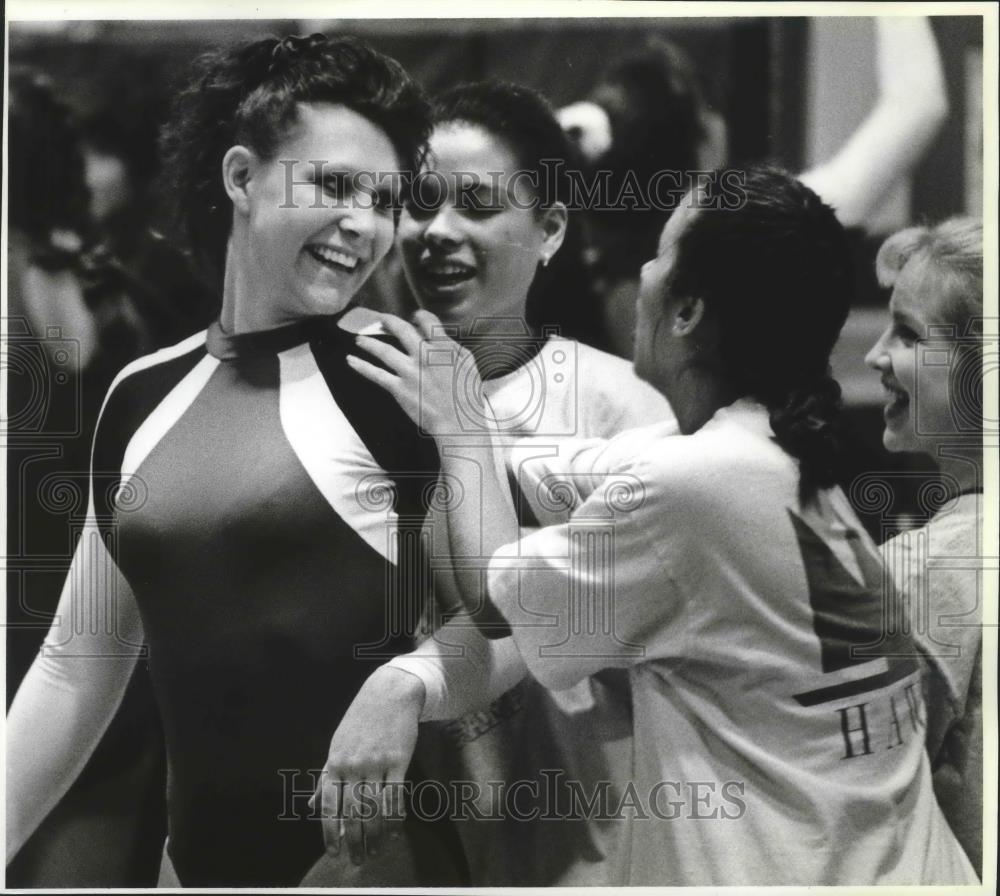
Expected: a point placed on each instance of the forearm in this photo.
(479, 524)
(910, 108)
(909, 66)
(73, 689)
(912, 100)
(59, 715)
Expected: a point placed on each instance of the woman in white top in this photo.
(935, 409)
(488, 246)
(777, 711)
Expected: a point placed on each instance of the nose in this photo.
(878, 357)
(359, 220)
(443, 230)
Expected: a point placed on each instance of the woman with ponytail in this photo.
(246, 485)
(777, 721)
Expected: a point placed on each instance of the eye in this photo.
(905, 334)
(336, 186)
(480, 212)
(424, 197)
(386, 200)
(479, 202)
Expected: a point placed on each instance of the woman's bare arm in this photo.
(912, 104)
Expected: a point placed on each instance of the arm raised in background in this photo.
(912, 104)
(73, 689)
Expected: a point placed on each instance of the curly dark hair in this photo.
(561, 295)
(776, 273)
(248, 95)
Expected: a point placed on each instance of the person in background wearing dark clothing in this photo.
(65, 331)
(648, 116)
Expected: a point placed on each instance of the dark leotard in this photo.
(271, 491)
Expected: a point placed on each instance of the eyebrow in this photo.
(907, 319)
(488, 195)
(323, 168)
(328, 169)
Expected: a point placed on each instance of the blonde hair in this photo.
(952, 249)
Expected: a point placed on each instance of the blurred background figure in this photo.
(648, 115)
(122, 165)
(70, 321)
(52, 327)
(934, 409)
(49, 217)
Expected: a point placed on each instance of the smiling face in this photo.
(918, 409)
(467, 263)
(306, 236)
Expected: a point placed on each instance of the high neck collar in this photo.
(232, 346)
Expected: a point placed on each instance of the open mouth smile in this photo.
(334, 258)
(442, 274)
(897, 398)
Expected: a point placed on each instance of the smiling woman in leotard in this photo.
(235, 525)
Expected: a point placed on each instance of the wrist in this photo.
(399, 686)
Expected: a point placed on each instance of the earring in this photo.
(545, 261)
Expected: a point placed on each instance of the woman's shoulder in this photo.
(952, 532)
(138, 390)
(592, 359)
(360, 321)
(193, 343)
(156, 371)
(732, 453)
(609, 387)
(954, 529)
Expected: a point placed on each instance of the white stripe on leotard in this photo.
(333, 454)
(166, 414)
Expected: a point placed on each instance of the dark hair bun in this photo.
(805, 425)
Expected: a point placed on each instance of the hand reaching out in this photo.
(433, 378)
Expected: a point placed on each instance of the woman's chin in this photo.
(449, 312)
(897, 439)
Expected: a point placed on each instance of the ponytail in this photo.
(775, 271)
(805, 424)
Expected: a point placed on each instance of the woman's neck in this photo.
(240, 312)
(245, 306)
(500, 345)
(235, 293)
(698, 393)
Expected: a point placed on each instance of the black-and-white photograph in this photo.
(464, 447)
